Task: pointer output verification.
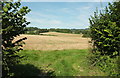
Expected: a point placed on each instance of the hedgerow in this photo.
(105, 38)
(13, 24)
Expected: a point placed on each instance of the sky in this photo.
(65, 0)
(69, 15)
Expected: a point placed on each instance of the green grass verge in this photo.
(63, 62)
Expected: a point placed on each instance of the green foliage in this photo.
(105, 30)
(110, 66)
(86, 33)
(35, 30)
(61, 30)
(13, 24)
(105, 34)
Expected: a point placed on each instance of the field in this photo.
(47, 39)
(53, 53)
(55, 41)
(61, 62)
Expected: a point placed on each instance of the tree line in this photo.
(37, 31)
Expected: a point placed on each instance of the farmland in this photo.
(63, 54)
(55, 41)
(67, 40)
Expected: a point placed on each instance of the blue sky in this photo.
(65, 0)
(61, 14)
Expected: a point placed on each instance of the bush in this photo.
(13, 24)
(35, 30)
(86, 33)
(105, 34)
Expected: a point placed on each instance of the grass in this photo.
(63, 62)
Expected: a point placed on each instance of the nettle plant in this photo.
(13, 24)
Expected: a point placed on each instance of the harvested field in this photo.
(55, 41)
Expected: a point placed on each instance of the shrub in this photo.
(105, 34)
(13, 24)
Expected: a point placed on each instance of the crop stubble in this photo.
(59, 41)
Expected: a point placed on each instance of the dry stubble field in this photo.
(55, 41)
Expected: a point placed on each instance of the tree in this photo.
(105, 34)
(105, 30)
(13, 24)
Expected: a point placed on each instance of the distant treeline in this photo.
(37, 31)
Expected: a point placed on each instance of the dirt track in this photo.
(55, 41)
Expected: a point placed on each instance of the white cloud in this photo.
(38, 14)
(41, 18)
(55, 22)
(52, 21)
(84, 8)
(43, 23)
(65, 10)
(39, 21)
